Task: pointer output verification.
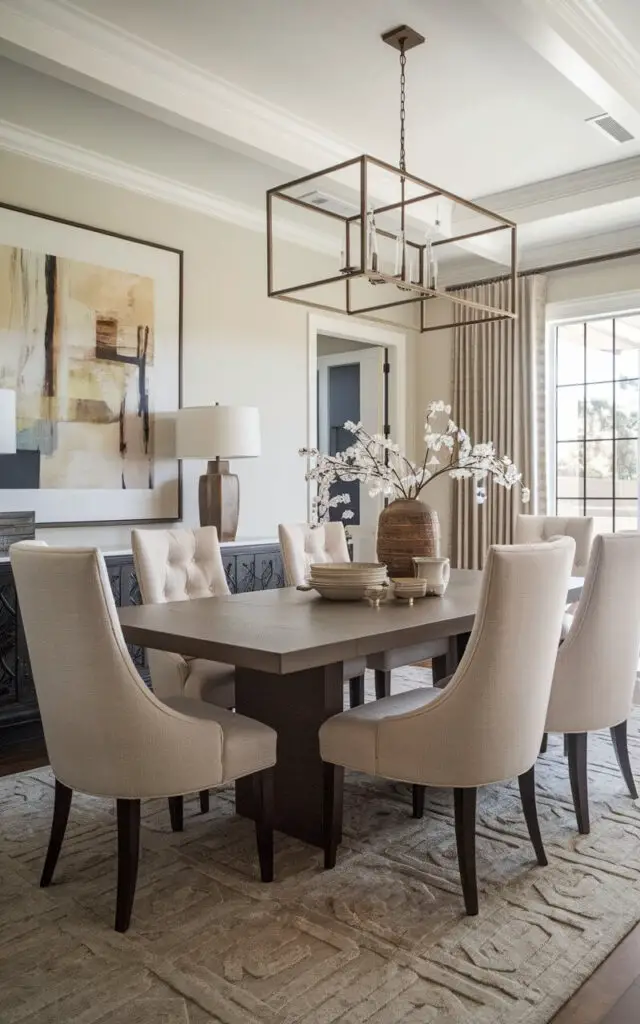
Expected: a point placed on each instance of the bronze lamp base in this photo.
(219, 499)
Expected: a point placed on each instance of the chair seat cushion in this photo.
(388, 660)
(351, 738)
(247, 746)
(210, 681)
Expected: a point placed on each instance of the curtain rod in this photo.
(603, 258)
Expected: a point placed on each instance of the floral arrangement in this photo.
(375, 460)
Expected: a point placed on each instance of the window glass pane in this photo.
(626, 515)
(570, 354)
(599, 410)
(569, 508)
(570, 469)
(599, 350)
(599, 469)
(626, 469)
(627, 347)
(570, 413)
(602, 513)
(627, 408)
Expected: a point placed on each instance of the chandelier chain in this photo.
(403, 82)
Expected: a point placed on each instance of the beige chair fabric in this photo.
(182, 565)
(303, 545)
(596, 669)
(106, 732)
(531, 529)
(487, 725)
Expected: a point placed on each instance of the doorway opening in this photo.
(358, 376)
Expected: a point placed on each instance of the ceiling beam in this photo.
(579, 39)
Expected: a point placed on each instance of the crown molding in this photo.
(107, 60)
(65, 155)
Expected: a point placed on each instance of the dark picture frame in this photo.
(171, 295)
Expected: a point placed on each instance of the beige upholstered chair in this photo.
(303, 545)
(106, 733)
(487, 724)
(531, 529)
(596, 668)
(180, 565)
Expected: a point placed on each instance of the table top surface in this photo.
(287, 630)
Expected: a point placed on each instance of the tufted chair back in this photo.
(106, 733)
(303, 545)
(178, 565)
(532, 529)
(596, 668)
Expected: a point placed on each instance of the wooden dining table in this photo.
(288, 648)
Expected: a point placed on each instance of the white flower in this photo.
(525, 495)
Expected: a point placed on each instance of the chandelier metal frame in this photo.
(414, 289)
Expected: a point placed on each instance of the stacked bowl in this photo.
(348, 581)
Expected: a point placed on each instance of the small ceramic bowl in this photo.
(409, 587)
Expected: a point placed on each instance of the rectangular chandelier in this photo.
(383, 239)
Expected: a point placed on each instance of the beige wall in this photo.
(239, 346)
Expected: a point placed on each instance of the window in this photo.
(597, 406)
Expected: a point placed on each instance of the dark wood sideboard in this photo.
(247, 567)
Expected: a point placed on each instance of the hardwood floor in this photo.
(610, 996)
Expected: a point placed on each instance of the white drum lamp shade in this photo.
(7, 421)
(218, 432)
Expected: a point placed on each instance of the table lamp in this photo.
(7, 421)
(218, 433)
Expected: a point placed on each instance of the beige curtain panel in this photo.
(499, 396)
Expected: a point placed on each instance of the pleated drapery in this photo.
(499, 395)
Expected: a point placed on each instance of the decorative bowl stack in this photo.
(348, 581)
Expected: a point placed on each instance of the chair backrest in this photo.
(302, 545)
(178, 565)
(101, 723)
(488, 724)
(531, 529)
(596, 669)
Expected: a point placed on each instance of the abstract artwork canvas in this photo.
(90, 342)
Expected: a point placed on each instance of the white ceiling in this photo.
(497, 99)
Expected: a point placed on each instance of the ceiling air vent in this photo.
(324, 201)
(611, 127)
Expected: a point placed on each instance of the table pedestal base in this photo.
(295, 705)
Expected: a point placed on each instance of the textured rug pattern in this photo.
(381, 940)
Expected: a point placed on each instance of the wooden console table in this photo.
(248, 567)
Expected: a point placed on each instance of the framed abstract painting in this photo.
(90, 340)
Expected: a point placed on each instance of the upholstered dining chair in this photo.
(106, 733)
(303, 545)
(487, 724)
(181, 565)
(596, 669)
(531, 529)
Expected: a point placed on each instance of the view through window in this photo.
(597, 371)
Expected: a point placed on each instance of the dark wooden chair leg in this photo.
(383, 683)
(61, 805)
(331, 811)
(464, 801)
(176, 813)
(566, 745)
(527, 783)
(543, 745)
(356, 691)
(619, 740)
(128, 813)
(438, 668)
(577, 752)
(418, 801)
(263, 795)
(204, 802)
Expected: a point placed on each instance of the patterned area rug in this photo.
(381, 940)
